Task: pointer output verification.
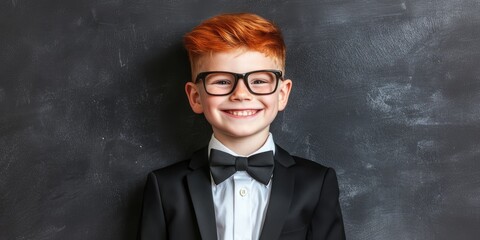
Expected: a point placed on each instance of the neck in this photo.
(243, 146)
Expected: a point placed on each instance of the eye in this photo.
(259, 81)
(261, 78)
(221, 82)
(220, 79)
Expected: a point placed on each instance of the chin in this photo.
(245, 133)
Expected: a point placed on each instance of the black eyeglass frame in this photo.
(244, 76)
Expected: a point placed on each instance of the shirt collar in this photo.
(214, 143)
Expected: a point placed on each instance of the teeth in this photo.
(243, 113)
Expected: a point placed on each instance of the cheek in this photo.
(271, 102)
(209, 103)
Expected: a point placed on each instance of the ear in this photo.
(283, 94)
(191, 89)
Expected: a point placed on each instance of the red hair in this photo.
(232, 31)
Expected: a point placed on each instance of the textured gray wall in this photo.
(386, 92)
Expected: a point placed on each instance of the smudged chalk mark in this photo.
(79, 21)
(132, 26)
(380, 98)
(7, 154)
(94, 15)
(122, 64)
(308, 144)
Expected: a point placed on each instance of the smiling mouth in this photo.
(242, 113)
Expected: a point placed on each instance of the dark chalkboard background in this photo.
(385, 91)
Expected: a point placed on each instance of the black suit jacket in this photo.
(178, 203)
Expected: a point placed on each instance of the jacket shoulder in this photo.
(308, 163)
(182, 168)
(308, 167)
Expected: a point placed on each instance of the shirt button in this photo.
(243, 192)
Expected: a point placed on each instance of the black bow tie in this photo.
(224, 165)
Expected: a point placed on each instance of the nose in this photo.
(240, 92)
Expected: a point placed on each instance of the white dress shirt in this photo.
(240, 201)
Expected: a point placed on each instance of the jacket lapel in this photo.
(280, 197)
(200, 189)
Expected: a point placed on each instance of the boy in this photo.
(242, 186)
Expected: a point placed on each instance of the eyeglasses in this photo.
(220, 83)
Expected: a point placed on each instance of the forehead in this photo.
(238, 60)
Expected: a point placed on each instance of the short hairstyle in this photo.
(232, 31)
